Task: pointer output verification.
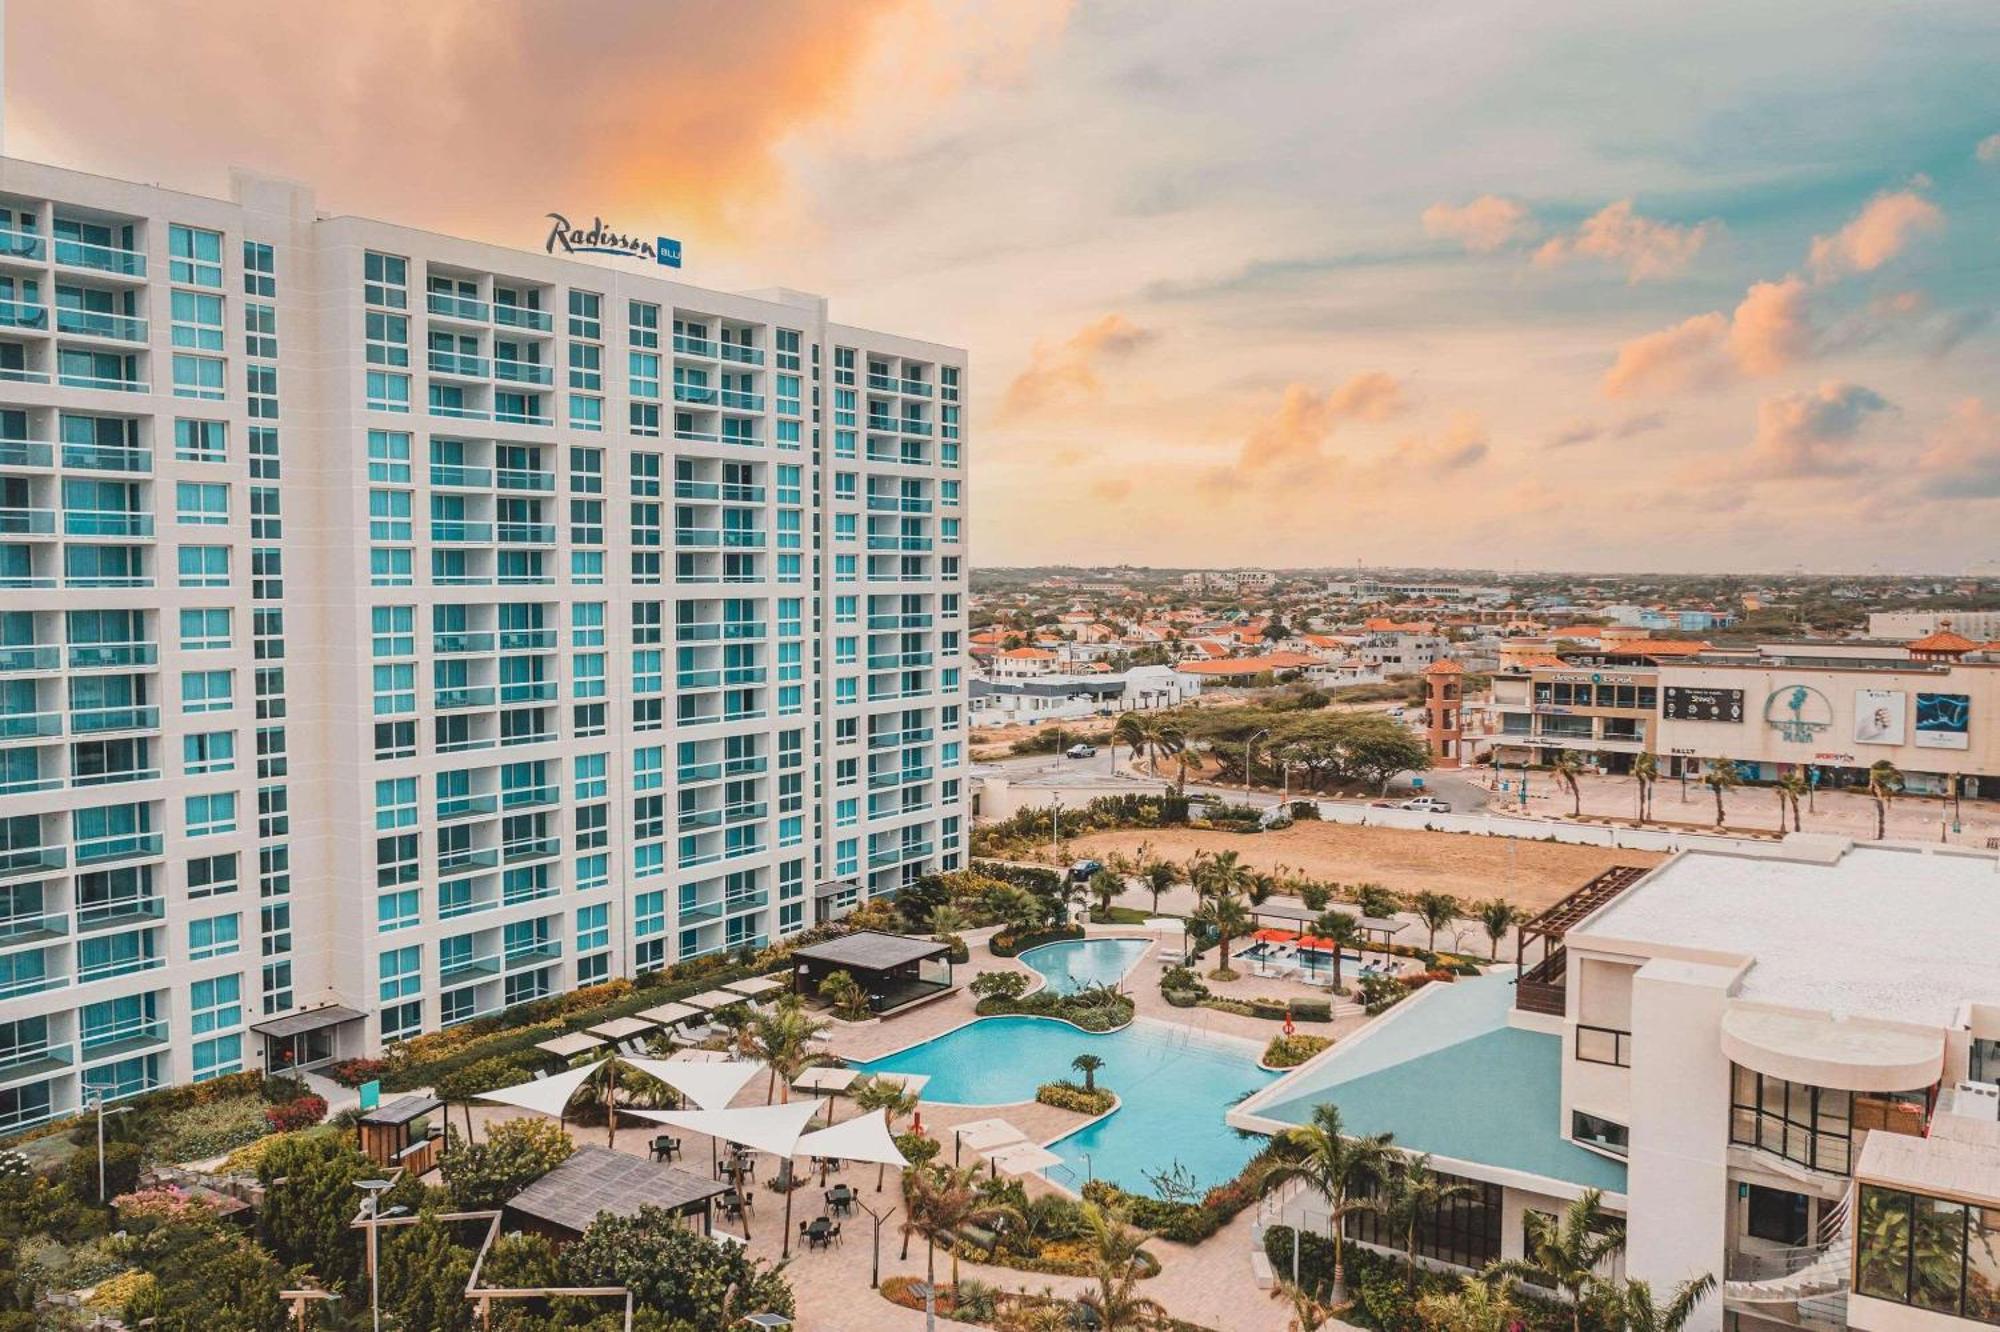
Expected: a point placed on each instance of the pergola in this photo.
(894, 970)
(1539, 989)
(1301, 918)
(596, 1179)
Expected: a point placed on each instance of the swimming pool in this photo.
(1075, 964)
(1174, 1084)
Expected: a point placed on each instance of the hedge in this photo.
(1189, 1222)
(1067, 1095)
(1010, 946)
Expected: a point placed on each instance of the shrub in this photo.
(1066, 1095)
(246, 1159)
(918, 1148)
(354, 1072)
(1008, 945)
(115, 1294)
(672, 1271)
(516, 1153)
(122, 1161)
(300, 1113)
(1096, 1009)
(282, 1088)
(1291, 1051)
(999, 985)
(199, 1130)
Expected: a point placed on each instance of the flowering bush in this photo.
(1291, 1051)
(1067, 1095)
(303, 1112)
(147, 1209)
(354, 1072)
(113, 1294)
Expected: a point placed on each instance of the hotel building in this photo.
(1778, 1068)
(395, 627)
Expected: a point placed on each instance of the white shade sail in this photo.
(865, 1138)
(984, 1135)
(762, 1128)
(710, 1086)
(545, 1096)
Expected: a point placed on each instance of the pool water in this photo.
(1174, 1085)
(1077, 964)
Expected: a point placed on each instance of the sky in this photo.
(1506, 284)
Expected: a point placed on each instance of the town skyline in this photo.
(1595, 290)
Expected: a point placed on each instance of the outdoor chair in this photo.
(666, 1147)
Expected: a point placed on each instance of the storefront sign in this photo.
(1944, 721)
(1686, 703)
(1878, 716)
(1798, 713)
(598, 239)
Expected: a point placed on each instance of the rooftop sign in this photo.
(599, 239)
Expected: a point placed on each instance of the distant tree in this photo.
(840, 989)
(1885, 783)
(1376, 900)
(305, 1220)
(1341, 1168)
(1646, 771)
(1791, 788)
(1225, 913)
(516, 1153)
(1414, 1192)
(1105, 886)
(1087, 1064)
(1437, 911)
(1567, 766)
(688, 1278)
(424, 1272)
(1564, 1252)
(1497, 915)
(1343, 931)
(1719, 776)
(1476, 1306)
(207, 1275)
(1628, 1306)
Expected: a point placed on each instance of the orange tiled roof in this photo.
(1277, 661)
(1028, 654)
(1444, 666)
(1944, 640)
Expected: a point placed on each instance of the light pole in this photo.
(1055, 829)
(373, 1188)
(929, 1294)
(97, 1102)
(1249, 756)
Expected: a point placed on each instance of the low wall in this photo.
(1547, 830)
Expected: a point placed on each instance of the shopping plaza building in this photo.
(395, 627)
(1778, 1069)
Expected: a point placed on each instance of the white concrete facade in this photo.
(407, 625)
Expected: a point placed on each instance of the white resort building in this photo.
(396, 627)
(1779, 1068)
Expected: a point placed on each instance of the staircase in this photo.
(1805, 1276)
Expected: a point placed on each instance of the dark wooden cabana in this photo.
(894, 970)
(563, 1203)
(388, 1136)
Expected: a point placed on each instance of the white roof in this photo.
(1900, 933)
(865, 1138)
(545, 1096)
(712, 1086)
(763, 1128)
(913, 1083)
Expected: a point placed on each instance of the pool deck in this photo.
(1210, 1284)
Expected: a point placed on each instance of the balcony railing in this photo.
(126, 846)
(93, 721)
(18, 244)
(730, 351)
(100, 324)
(102, 258)
(524, 372)
(107, 523)
(520, 478)
(688, 346)
(107, 458)
(460, 364)
(467, 806)
(468, 969)
(23, 314)
(508, 315)
(112, 656)
(469, 696)
(21, 861)
(461, 642)
(30, 725)
(458, 476)
(27, 522)
(456, 307)
(527, 640)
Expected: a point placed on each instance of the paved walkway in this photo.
(1210, 1284)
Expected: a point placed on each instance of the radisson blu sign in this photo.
(600, 239)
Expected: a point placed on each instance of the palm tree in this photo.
(1564, 1253)
(1105, 887)
(1117, 1260)
(1476, 1306)
(1160, 875)
(1885, 783)
(1146, 736)
(1631, 1309)
(887, 1095)
(1791, 787)
(1646, 769)
(1087, 1064)
(942, 1202)
(1437, 911)
(782, 1037)
(1340, 1169)
(1414, 1192)
(845, 994)
(1220, 874)
(948, 919)
(1230, 919)
(1567, 767)
(1497, 916)
(1182, 751)
(1309, 1312)
(1343, 931)
(1720, 775)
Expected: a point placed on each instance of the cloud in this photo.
(1673, 358)
(1585, 432)
(1806, 434)
(1641, 423)
(1291, 436)
(1882, 230)
(1465, 443)
(1573, 434)
(1643, 247)
(1482, 226)
(1111, 489)
(1067, 371)
(1988, 150)
(1770, 330)
(1963, 459)
(1954, 327)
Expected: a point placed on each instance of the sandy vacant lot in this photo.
(1529, 874)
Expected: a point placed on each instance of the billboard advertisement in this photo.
(1878, 716)
(1944, 721)
(1682, 703)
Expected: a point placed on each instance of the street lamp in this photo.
(371, 1208)
(1249, 753)
(928, 1293)
(97, 1103)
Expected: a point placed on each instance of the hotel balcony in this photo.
(100, 258)
(100, 324)
(23, 314)
(22, 245)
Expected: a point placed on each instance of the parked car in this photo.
(1203, 798)
(1382, 804)
(1427, 805)
(1081, 751)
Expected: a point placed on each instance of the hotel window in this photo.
(215, 1005)
(1931, 1253)
(201, 441)
(388, 392)
(203, 566)
(1595, 1131)
(397, 911)
(1463, 1231)
(389, 456)
(643, 372)
(201, 504)
(198, 377)
(585, 315)
(260, 270)
(386, 280)
(387, 339)
(401, 973)
(843, 365)
(396, 802)
(394, 631)
(593, 927)
(194, 256)
(212, 876)
(586, 366)
(205, 630)
(197, 321)
(586, 413)
(210, 815)
(948, 383)
(1814, 1126)
(208, 752)
(214, 936)
(260, 387)
(643, 325)
(264, 453)
(787, 342)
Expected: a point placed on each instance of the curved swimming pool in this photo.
(1076, 964)
(1174, 1084)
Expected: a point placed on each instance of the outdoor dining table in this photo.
(840, 1200)
(818, 1232)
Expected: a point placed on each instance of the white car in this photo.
(1081, 751)
(1427, 805)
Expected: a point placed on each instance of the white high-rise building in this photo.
(395, 627)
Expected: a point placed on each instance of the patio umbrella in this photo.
(984, 1135)
(1022, 1158)
(764, 1128)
